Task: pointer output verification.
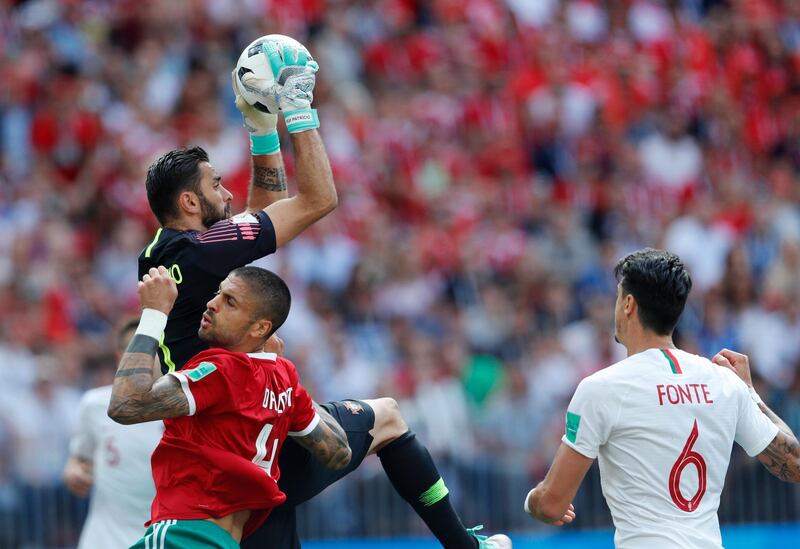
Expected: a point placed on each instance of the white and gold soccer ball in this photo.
(256, 60)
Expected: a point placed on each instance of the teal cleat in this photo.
(497, 541)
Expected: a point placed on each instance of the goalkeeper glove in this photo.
(261, 125)
(293, 88)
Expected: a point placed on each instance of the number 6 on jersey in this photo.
(688, 456)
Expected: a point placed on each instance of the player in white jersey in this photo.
(661, 423)
(114, 460)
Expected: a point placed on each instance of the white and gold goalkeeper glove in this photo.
(292, 90)
(262, 126)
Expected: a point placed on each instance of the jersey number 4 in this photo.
(688, 457)
(261, 450)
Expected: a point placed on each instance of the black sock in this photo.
(413, 474)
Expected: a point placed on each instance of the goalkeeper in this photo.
(200, 243)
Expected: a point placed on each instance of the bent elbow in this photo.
(330, 203)
(117, 415)
(315, 208)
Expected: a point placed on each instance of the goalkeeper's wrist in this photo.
(301, 120)
(265, 144)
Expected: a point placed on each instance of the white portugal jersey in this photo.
(662, 425)
(123, 486)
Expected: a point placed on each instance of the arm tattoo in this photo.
(327, 418)
(782, 456)
(133, 372)
(143, 344)
(269, 179)
(134, 396)
(327, 442)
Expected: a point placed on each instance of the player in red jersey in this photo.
(226, 413)
(201, 243)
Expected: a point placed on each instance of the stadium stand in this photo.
(493, 160)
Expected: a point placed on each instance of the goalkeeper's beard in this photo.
(211, 215)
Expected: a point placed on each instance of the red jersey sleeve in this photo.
(209, 380)
(304, 417)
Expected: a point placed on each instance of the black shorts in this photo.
(303, 477)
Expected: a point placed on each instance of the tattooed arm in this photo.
(782, 456)
(135, 396)
(327, 442)
(268, 184)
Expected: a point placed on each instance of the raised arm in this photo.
(136, 395)
(292, 91)
(782, 456)
(268, 182)
(316, 193)
(327, 442)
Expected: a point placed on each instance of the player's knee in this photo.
(389, 422)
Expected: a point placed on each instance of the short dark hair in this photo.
(170, 175)
(272, 297)
(123, 335)
(660, 283)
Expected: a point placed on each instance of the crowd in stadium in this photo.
(493, 161)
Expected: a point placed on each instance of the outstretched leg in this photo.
(412, 472)
(372, 426)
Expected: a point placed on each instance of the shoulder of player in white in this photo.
(629, 364)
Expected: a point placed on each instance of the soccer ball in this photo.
(254, 60)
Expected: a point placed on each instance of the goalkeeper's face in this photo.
(215, 199)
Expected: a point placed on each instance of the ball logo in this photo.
(255, 49)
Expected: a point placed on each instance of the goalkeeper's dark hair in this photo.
(169, 176)
(660, 284)
(270, 295)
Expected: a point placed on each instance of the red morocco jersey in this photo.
(221, 457)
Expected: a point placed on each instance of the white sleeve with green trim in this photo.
(589, 418)
(754, 430)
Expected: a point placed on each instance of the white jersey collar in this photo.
(263, 356)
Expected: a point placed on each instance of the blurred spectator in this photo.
(670, 157)
(42, 422)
